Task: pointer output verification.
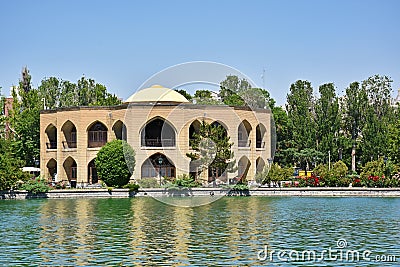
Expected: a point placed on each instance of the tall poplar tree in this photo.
(355, 105)
(300, 108)
(379, 115)
(327, 117)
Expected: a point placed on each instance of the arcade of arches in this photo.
(71, 138)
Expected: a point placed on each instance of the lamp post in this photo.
(385, 159)
(160, 161)
(329, 160)
(270, 160)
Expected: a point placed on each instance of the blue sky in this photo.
(122, 43)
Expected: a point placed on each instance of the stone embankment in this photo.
(160, 192)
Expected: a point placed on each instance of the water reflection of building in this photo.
(159, 124)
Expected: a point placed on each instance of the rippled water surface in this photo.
(233, 231)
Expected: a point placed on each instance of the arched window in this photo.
(260, 136)
(193, 129)
(97, 134)
(69, 131)
(119, 129)
(51, 133)
(244, 130)
(158, 133)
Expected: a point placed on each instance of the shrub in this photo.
(148, 183)
(276, 174)
(334, 177)
(36, 186)
(309, 181)
(183, 181)
(115, 162)
(132, 187)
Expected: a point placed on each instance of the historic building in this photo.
(159, 124)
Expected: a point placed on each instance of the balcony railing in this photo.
(260, 144)
(51, 145)
(158, 142)
(244, 143)
(69, 144)
(97, 138)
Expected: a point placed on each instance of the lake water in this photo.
(233, 231)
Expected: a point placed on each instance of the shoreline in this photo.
(201, 192)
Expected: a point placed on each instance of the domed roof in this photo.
(157, 93)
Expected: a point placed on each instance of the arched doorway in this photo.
(158, 133)
(69, 131)
(71, 170)
(51, 133)
(52, 170)
(92, 173)
(243, 168)
(97, 134)
(244, 130)
(260, 165)
(158, 166)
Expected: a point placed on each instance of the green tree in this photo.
(231, 87)
(354, 111)
(115, 162)
(91, 93)
(213, 149)
(238, 92)
(257, 98)
(328, 120)
(69, 94)
(10, 166)
(2, 115)
(25, 83)
(379, 114)
(308, 157)
(284, 143)
(300, 105)
(49, 91)
(24, 120)
(86, 92)
(204, 97)
(393, 141)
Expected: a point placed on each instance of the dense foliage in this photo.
(183, 181)
(36, 186)
(212, 149)
(22, 136)
(10, 166)
(115, 163)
